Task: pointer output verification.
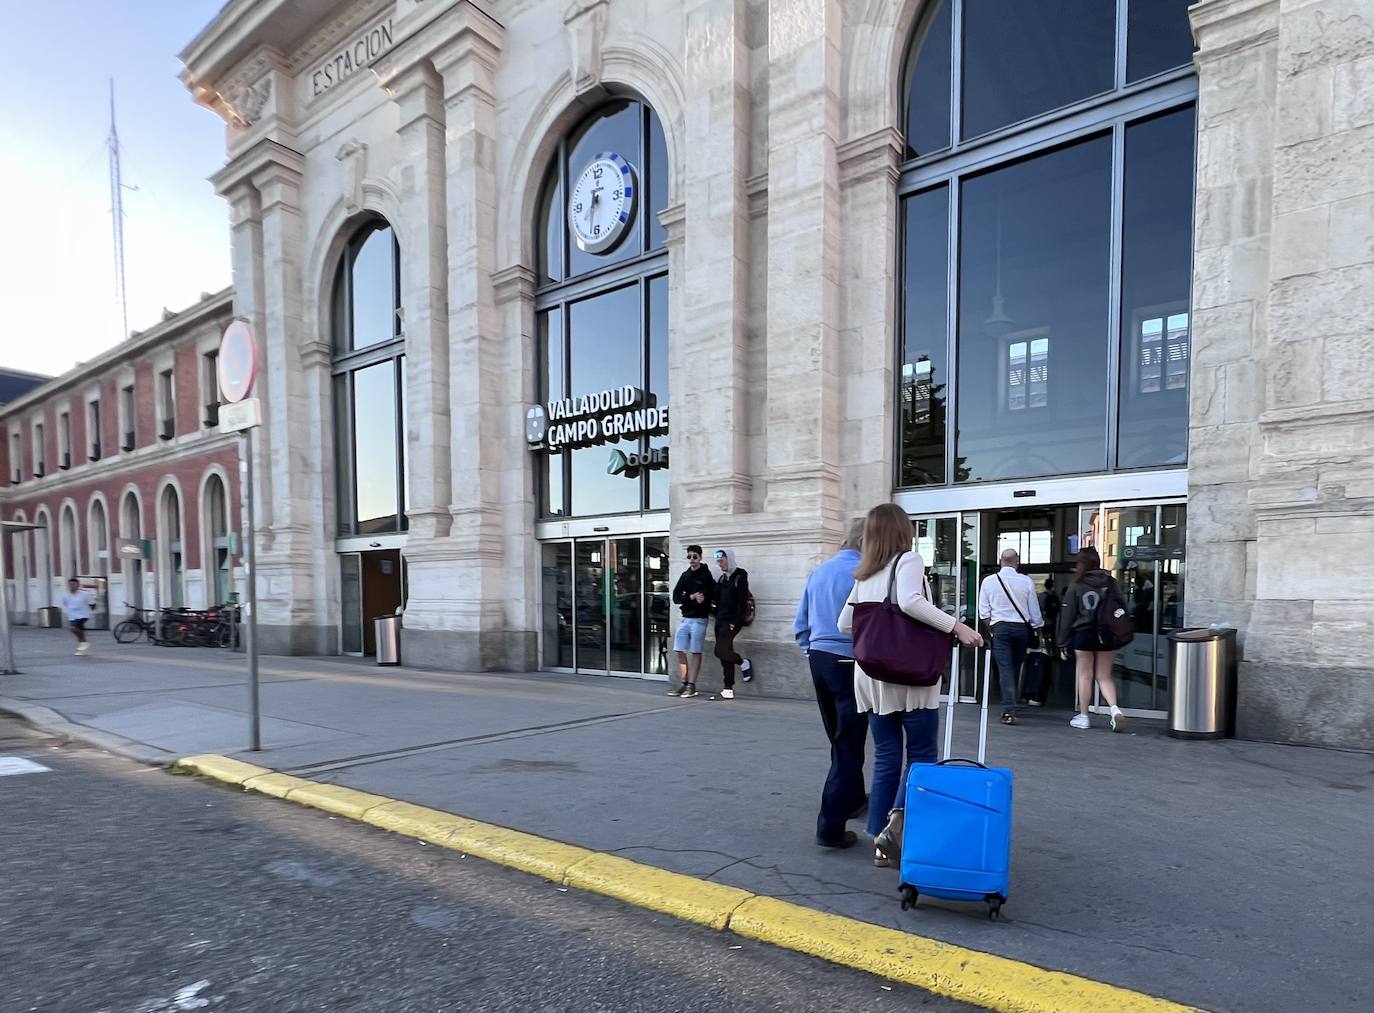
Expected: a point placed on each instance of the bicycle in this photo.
(138, 624)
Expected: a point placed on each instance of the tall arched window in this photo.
(602, 308)
(171, 551)
(99, 536)
(369, 384)
(70, 561)
(1046, 238)
(131, 527)
(214, 525)
(42, 555)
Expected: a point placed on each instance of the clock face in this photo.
(602, 203)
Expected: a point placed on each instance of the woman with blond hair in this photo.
(896, 711)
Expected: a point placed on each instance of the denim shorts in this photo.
(691, 636)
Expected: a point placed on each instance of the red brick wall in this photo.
(189, 473)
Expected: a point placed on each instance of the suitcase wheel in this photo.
(909, 896)
(994, 906)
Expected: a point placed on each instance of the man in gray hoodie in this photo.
(732, 610)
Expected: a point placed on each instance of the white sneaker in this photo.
(746, 670)
(1118, 720)
(727, 694)
(1080, 721)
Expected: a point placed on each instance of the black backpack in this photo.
(1111, 621)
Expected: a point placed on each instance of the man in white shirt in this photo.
(77, 609)
(1007, 603)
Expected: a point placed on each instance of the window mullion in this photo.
(952, 273)
(956, 74)
(1114, 292)
(1121, 29)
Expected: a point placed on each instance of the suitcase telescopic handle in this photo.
(960, 759)
(953, 698)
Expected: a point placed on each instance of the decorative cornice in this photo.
(1224, 27)
(316, 354)
(756, 192)
(325, 37)
(875, 154)
(249, 164)
(514, 282)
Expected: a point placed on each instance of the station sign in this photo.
(607, 416)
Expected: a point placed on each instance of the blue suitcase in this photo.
(956, 842)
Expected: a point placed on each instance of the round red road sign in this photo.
(238, 362)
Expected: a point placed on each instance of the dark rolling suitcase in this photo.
(956, 843)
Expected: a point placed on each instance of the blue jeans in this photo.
(1009, 644)
(922, 730)
(833, 677)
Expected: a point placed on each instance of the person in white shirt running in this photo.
(76, 607)
(1007, 602)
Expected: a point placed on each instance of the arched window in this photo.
(1046, 238)
(369, 384)
(214, 522)
(42, 555)
(602, 310)
(99, 539)
(131, 528)
(171, 552)
(70, 561)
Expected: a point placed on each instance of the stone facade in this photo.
(1281, 470)
(781, 120)
(98, 485)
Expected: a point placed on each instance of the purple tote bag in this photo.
(891, 646)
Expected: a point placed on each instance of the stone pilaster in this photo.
(708, 369)
(801, 419)
(418, 93)
(264, 184)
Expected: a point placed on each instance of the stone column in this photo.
(708, 367)
(1308, 674)
(803, 260)
(1237, 44)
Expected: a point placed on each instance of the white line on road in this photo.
(10, 765)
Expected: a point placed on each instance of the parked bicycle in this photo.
(139, 623)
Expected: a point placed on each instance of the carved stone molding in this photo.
(585, 21)
(352, 155)
(515, 282)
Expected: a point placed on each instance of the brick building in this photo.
(125, 446)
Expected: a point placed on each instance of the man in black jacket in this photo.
(732, 609)
(694, 593)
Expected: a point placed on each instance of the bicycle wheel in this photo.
(128, 631)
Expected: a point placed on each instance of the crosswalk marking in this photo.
(10, 765)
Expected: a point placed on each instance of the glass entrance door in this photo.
(606, 605)
(948, 544)
(1143, 547)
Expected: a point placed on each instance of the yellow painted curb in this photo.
(537, 855)
(967, 975)
(335, 798)
(221, 768)
(412, 820)
(685, 897)
(276, 785)
(983, 979)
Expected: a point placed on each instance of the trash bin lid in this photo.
(1201, 634)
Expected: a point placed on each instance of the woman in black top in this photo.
(1078, 632)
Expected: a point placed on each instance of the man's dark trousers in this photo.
(847, 730)
(1009, 644)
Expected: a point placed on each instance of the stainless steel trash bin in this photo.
(49, 617)
(388, 640)
(1202, 683)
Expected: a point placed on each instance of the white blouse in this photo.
(912, 594)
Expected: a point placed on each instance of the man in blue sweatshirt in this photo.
(831, 655)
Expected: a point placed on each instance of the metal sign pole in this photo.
(246, 459)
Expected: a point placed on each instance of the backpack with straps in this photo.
(1111, 621)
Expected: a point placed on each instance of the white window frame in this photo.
(93, 424)
(127, 410)
(36, 437)
(64, 438)
(166, 380)
(16, 456)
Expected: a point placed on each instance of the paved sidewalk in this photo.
(1233, 875)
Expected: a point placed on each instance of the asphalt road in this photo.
(125, 889)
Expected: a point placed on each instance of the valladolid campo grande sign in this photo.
(617, 414)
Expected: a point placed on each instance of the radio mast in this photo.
(117, 215)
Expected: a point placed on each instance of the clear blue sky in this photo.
(57, 262)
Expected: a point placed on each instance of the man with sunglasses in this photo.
(694, 593)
